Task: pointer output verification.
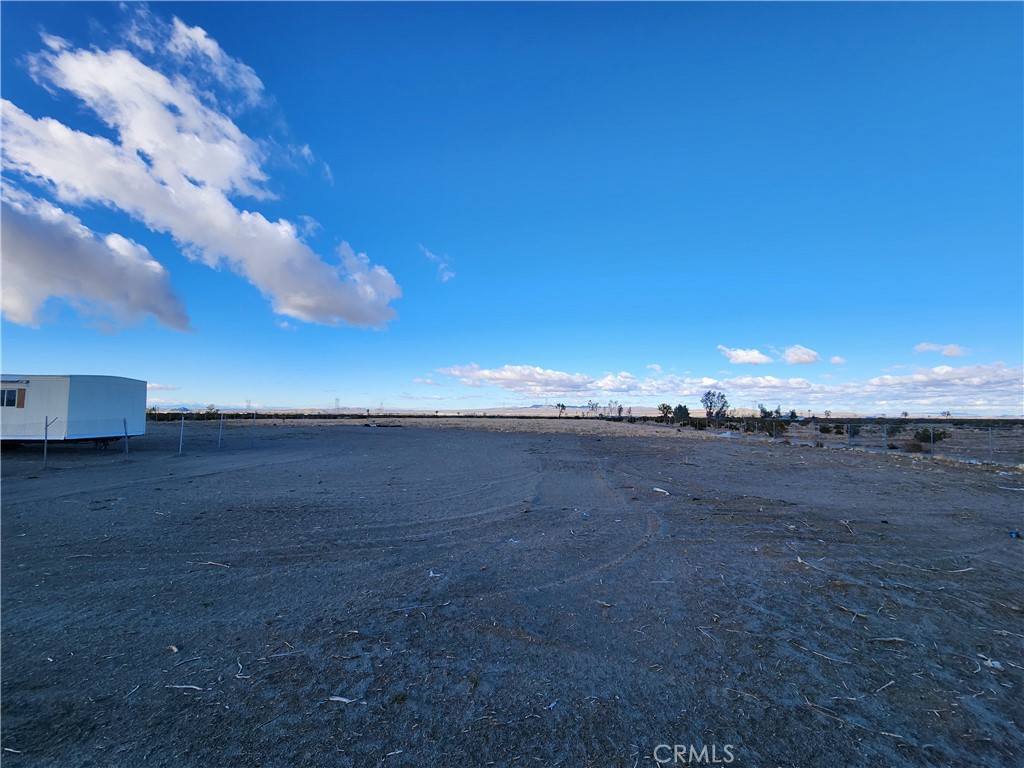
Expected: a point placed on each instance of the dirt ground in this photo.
(512, 593)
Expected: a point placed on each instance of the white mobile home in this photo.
(73, 407)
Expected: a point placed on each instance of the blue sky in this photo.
(458, 206)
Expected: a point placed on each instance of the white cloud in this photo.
(48, 253)
(309, 227)
(985, 389)
(526, 379)
(616, 382)
(947, 350)
(837, 360)
(654, 368)
(444, 270)
(800, 355)
(744, 356)
(192, 44)
(176, 162)
(151, 386)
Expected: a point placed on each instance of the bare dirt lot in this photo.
(450, 593)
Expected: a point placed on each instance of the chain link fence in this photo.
(57, 428)
(982, 444)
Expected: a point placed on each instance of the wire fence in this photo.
(983, 444)
(199, 433)
(60, 428)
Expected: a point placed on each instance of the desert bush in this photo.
(774, 427)
(914, 447)
(928, 435)
(825, 429)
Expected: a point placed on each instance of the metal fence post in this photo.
(125, 422)
(220, 432)
(181, 437)
(46, 437)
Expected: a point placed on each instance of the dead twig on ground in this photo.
(416, 608)
(830, 658)
(829, 713)
(812, 565)
(855, 613)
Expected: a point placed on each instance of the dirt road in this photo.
(336, 595)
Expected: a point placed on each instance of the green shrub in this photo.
(927, 435)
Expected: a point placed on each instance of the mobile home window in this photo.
(13, 398)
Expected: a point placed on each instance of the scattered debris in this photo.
(660, 490)
(342, 699)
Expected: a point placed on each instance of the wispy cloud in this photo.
(153, 386)
(444, 270)
(745, 356)
(175, 164)
(947, 350)
(837, 360)
(800, 355)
